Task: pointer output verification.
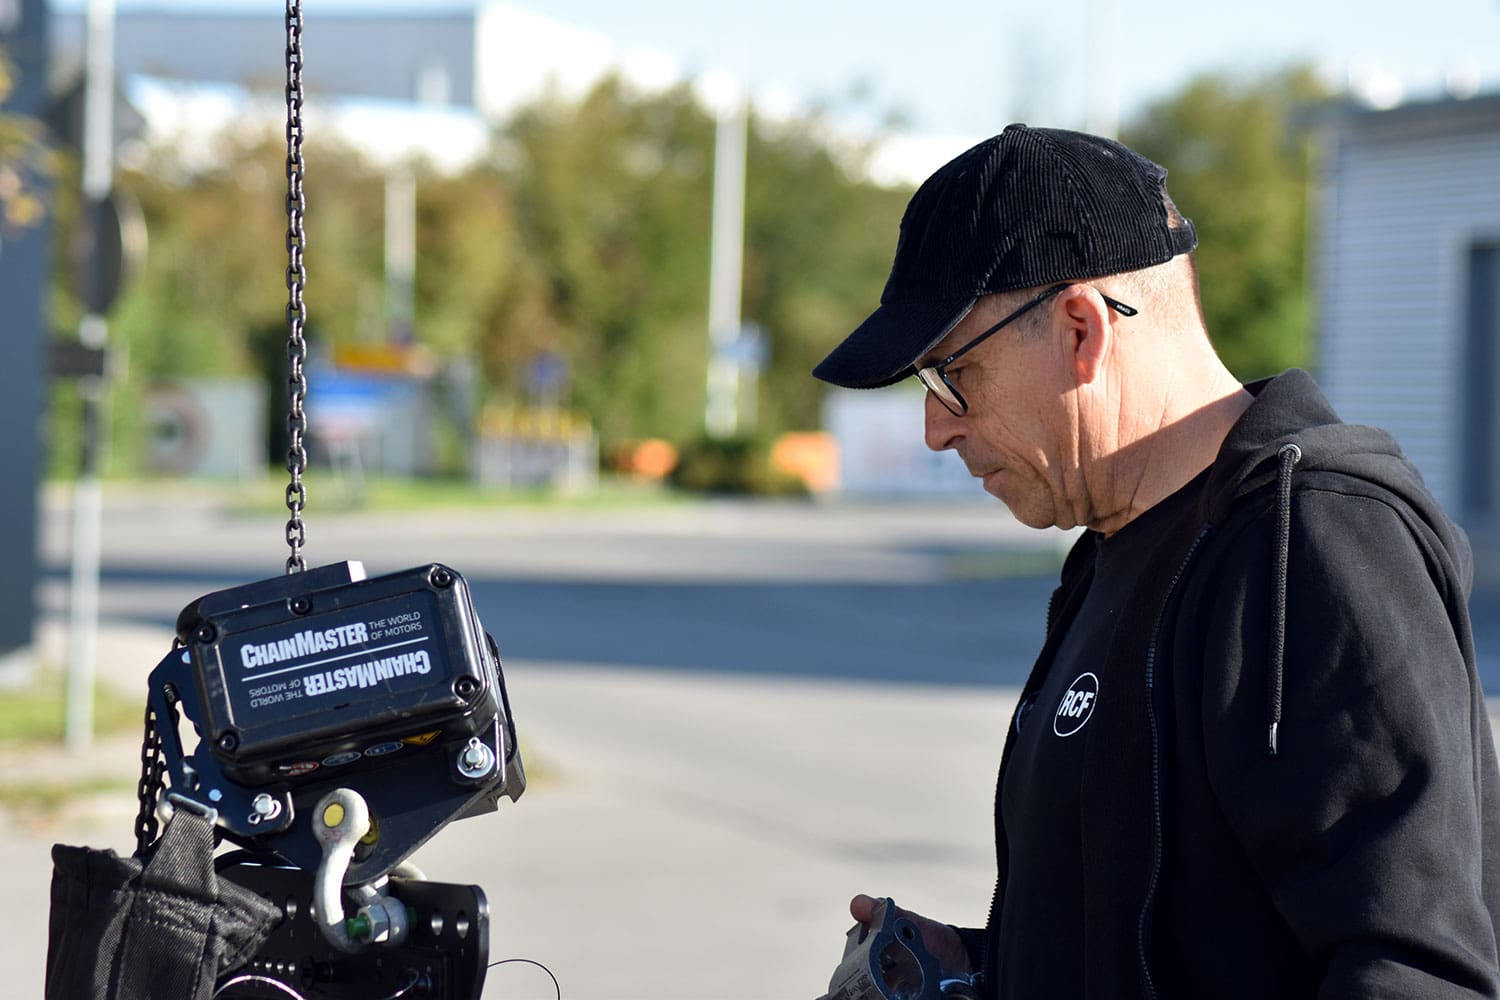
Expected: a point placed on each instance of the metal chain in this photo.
(148, 790)
(296, 280)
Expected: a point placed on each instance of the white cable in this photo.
(267, 980)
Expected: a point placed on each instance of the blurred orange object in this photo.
(811, 456)
(652, 459)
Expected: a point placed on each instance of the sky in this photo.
(968, 67)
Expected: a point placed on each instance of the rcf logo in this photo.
(1076, 706)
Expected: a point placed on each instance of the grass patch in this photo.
(1003, 564)
(31, 801)
(330, 492)
(388, 494)
(35, 711)
(32, 722)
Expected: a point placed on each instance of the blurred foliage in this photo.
(36, 711)
(817, 253)
(583, 235)
(738, 465)
(27, 163)
(613, 204)
(1239, 166)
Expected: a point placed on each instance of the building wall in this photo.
(487, 56)
(424, 56)
(1403, 197)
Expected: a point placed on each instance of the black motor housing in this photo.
(324, 679)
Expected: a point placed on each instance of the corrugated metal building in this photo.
(483, 55)
(1407, 277)
(391, 55)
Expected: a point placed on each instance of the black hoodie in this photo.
(1304, 802)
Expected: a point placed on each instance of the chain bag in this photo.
(160, 929)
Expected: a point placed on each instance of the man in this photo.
(1253, 757)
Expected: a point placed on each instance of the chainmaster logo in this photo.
(368, 674)
(1077, 705)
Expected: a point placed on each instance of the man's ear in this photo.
(1088, 332)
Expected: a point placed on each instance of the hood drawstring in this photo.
(1289, 455)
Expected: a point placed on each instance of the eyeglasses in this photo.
(935, 377)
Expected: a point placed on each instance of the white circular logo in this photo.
(1076, 706)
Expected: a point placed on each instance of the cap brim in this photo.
(884, 348)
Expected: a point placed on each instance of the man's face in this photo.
(1019, 435)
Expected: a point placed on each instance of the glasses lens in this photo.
(939, 387)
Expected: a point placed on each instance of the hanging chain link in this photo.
(149, 789)
(150, 786)
(296, 280)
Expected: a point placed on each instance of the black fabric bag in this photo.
(162, 930)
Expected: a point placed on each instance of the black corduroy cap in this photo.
(1028, 207)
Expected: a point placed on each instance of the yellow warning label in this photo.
(422, 739)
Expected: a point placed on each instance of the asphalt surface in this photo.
(932, 594)
(735, 716)
(921, 593)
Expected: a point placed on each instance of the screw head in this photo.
(229, 742)
(441, 577)
(466, 687)
(301, 605)
(206, 633)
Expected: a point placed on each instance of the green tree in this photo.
(612, 199)
(584, 233)
(818, 248)
(216, 268)
(1239, 168)
(471, 270)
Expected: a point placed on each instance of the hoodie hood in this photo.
(1291, 409)
(1291, 430)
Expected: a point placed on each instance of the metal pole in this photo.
(400, 253)
(726, 264)
(98, 174)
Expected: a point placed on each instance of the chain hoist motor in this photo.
(318, 680)
(340, 722)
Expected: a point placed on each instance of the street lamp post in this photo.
(98, 178)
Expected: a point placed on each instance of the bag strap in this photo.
(185, 926)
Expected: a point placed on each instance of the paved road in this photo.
(946, 594)
(683, 835)
(914, 593)
(735, 716)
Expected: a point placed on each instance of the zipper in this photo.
(1156, 780)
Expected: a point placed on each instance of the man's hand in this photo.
(941, 940)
